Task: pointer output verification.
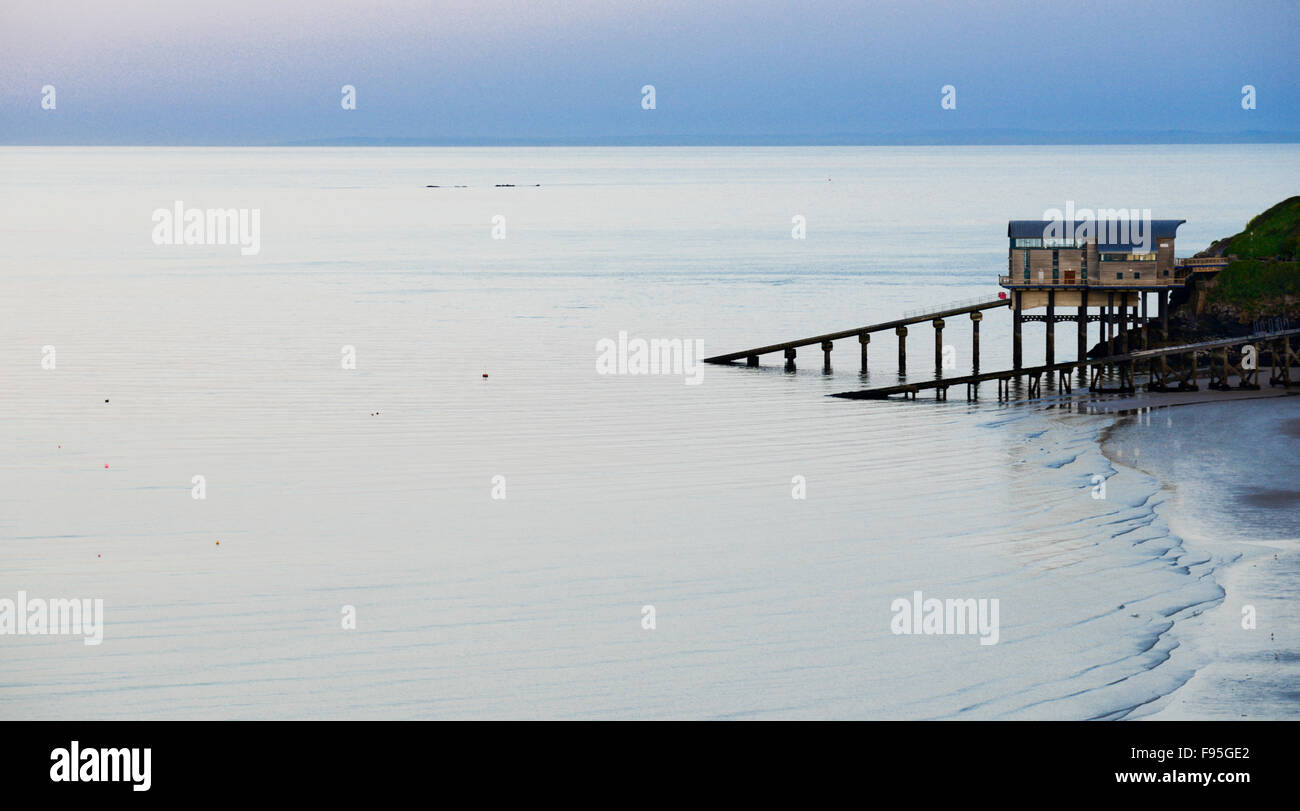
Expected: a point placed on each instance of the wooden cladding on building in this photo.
(1049, 254)
(1034, 267)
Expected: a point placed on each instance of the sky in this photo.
(726, 71)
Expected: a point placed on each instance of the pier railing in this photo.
(1203, 262)
(974, 308)
(1183, 268)
(945, 308)
(1176, 279)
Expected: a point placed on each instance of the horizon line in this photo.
(342, 144)
(918, 138)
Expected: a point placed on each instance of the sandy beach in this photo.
(1239, 521)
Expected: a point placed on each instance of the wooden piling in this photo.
(1133, 323)
(1121, 368)
(1081, 350)
(1146, 333)
(1016, 329)
(1108, 320)
(859, 332)
(1164, 315)
(1051, 327)
(938, 344)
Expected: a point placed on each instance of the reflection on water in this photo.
(373, 487)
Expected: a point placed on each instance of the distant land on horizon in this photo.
(980, 138)
(930, 138)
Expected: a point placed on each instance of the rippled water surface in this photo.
(372, 487)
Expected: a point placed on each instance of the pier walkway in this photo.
(899, 326)
(1162, 376)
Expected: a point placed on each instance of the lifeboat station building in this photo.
(1094, 270)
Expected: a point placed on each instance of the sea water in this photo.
(470, 520)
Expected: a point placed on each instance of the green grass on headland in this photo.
(1264, 279)
(1275, 233)
(1253, 284)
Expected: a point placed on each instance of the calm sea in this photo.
(335, 492)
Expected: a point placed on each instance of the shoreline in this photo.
(1234, 671)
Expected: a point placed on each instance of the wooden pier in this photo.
(1075, 274)
(1161, 375)
(863, 334)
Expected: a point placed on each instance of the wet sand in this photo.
(1236, 506)
(1144, 400)
(1082, 400)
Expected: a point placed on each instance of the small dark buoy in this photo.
(106, 399)
(485, 374)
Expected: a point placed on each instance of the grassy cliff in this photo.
(1264, 279)
(1275, 234)
(1259, 287)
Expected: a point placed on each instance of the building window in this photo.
(1119, 275)
(1056, 266)
(1028, 243)
(1059, 242)
(1127, 257)
(1137, 275)
(1026, 266)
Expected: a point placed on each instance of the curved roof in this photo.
(1034, 229)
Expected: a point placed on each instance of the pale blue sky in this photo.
(259, 72)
